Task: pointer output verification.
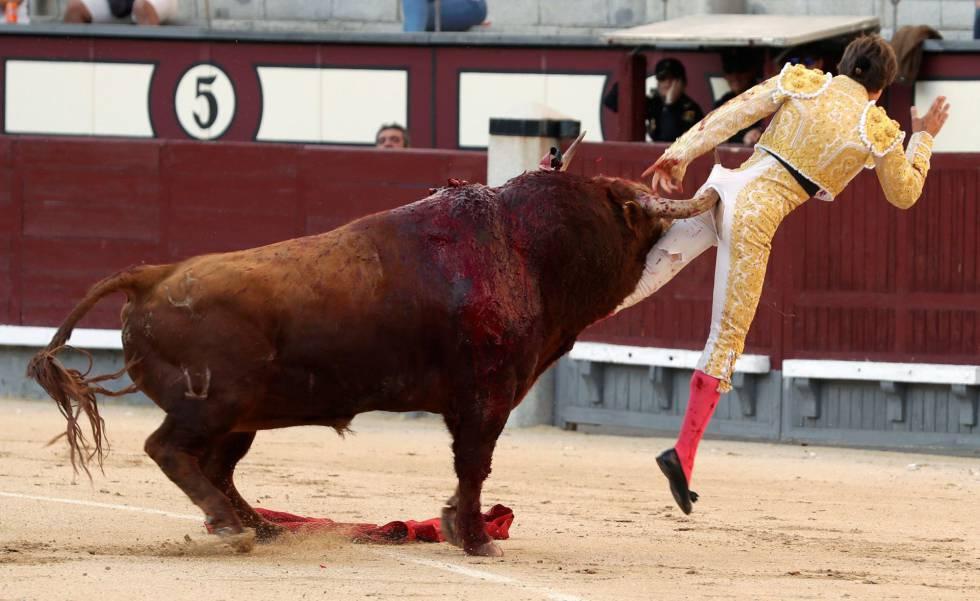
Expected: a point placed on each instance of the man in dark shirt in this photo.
(670, 112)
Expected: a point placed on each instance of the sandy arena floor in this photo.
(594, 519)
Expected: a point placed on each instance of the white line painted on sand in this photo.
(439, 565)
(479, 575)
(168, 514)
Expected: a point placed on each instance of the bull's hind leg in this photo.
(475, 431)
(219, 467)
(178, 446)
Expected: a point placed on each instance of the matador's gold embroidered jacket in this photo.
(825, 127)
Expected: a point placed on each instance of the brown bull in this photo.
(454, 304)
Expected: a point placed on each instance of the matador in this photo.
(824, 131)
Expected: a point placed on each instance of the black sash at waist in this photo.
(808, 186)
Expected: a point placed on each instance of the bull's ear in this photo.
(632, 213)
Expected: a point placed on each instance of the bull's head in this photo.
(642, 200)
(655, 205)
(646, 216)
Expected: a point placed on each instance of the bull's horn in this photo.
(679, 209)
(570, 153)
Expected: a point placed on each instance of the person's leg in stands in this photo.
(145, 14)
(154, 12)
(976, 21)
(416, 13)
(461, 15)
(88, 11)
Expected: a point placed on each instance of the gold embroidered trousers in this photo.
(755, 198)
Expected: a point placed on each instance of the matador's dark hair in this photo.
(870, 61)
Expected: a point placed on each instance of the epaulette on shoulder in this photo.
(879, 132)
(797, 81)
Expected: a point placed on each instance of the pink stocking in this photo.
(700, 407)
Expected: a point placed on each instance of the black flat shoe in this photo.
(670, 465)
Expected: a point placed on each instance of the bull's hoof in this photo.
(448, 523)
(487, 549)
(242, 542)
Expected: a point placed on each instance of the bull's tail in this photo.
(74, 391)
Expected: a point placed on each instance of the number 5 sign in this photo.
(204, 102)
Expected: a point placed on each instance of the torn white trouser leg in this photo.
(684, 241)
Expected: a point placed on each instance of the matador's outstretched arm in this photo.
(902, 174)
(717, 126)
(756, 103)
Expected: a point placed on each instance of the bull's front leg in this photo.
(448, 520)
(475, 435)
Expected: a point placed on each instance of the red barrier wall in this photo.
(74, 211)
(853, 279)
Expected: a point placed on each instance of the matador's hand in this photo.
(933, 120)
(663, 178)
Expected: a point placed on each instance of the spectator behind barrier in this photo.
(455, 15)
(812, 56)
(143, 12)
(391, 136)
(741, 71)
(670, 112)
(976, 20)
(17, 11)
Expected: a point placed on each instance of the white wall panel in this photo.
(308, 104)
(356, 101)
(486, 95)
(121, 99)
(961, 132)
(290, 104)
(77, 98)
